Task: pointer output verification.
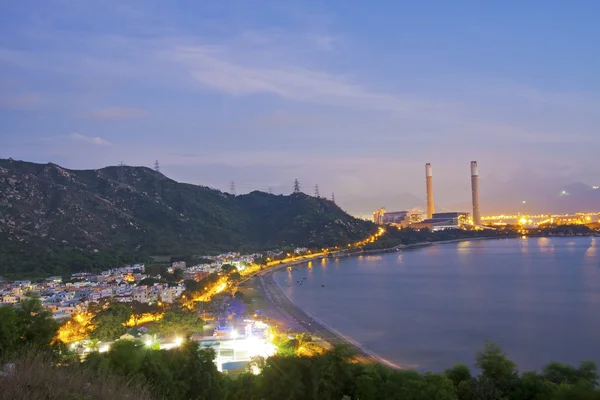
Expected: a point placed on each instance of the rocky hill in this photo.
(47, 210)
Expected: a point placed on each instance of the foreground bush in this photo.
(35, 377)
(131, 370)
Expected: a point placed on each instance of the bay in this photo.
(433, 307)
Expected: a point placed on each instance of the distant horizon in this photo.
(366, 214)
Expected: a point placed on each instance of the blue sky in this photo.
(353, 96)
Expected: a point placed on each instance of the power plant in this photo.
(435, 221)
(475, 192)
(429, 184)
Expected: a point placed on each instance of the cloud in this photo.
(276, 120)
(212, 68)
(97, 141)
(324, 42)
(116, 113)
(22, 101)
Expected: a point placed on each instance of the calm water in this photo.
(429, 308)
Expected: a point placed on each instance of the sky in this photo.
(353, 96)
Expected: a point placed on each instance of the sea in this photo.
(432, 307)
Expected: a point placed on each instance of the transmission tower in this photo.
(317, 195)
(296, 186)
(232, 187)
(333, 197)
(156, 166)
(270, 190)
(121, 164)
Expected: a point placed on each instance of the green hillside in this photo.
(48, 213)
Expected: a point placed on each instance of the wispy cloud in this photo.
(116, 113)
(96, 140)
(21, 101)
(211, 67)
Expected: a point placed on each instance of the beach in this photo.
(287, 316)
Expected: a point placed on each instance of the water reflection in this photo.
(545, 245)
(592, 250)
(524, 245)
(435, 309)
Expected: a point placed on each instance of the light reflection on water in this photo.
(538, 298)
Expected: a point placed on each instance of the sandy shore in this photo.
(288, 316)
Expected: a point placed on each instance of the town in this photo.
(235, 334)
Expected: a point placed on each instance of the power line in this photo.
(317, 191)
(232, 187)
(296, 186)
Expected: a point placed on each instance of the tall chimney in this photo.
(475, 192)
(429, 184)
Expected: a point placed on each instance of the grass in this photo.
(37, 378)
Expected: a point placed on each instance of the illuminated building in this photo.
(445, 220)
(536, 220)
(397, 218)
(378, 216)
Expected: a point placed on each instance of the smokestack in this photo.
(475, 192)
(429, 184)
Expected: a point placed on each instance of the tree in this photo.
(238, 295)
(228, 268)
(109, 324)
(303, 338)
(192, 285)
(138, 310)
(235, 277)
(496, 368)
(177, 321)
(559, 373)
(35, 324)
(458, 373)
(177, 274)
(93, 344)
(9, 330)
(154, 269)
(125, 357)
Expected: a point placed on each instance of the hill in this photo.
(47, 211)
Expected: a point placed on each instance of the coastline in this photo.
(310, 324)
(294, 315)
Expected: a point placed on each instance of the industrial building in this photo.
(397, 218)
(445, 220)
(435, 221)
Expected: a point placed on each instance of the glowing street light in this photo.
(178, 341)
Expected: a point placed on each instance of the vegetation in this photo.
(188, 372)
(301, 370)
(27, 326)
(109, 324)
(180, 321)
(58, 221)
(394, 236)
(36, 377)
